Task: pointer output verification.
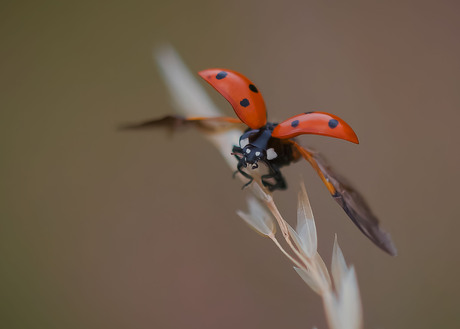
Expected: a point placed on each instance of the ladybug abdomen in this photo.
(283, 151)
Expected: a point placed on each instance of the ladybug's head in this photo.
(252, 155)
(253, 147)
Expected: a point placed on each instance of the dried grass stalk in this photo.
(339, 291)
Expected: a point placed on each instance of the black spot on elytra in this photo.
(253, 88)
(294, 123)
(244, 102)
(221, 75)
(309, 112)
(333, 123)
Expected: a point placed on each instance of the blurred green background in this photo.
(105, 229)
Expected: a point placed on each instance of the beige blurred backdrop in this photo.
(103, 229)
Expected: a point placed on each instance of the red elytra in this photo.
(317, 123)
(242, 94)
(249, 106)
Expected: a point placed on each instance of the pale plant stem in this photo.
(292, 259)
(327, 305)
(282, 224)
(191, 100)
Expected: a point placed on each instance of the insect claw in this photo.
(247, 184)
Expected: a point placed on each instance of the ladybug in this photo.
(275, 146)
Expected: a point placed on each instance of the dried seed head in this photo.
(339, 266)
(258, 218)
(344, 307)
(306, 228)
(306, 276)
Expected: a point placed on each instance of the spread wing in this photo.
(350, 200)
(212, 124)
(242, 94)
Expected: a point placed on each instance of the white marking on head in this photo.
(248, 151)
(271, 154)
(244, 142)
(257, 153)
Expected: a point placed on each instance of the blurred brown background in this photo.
(105, 229)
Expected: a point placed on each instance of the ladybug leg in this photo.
(235, 152)
(274, 173)
(241, 163)
(245, 174)
(237, 149)
(280, 183)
